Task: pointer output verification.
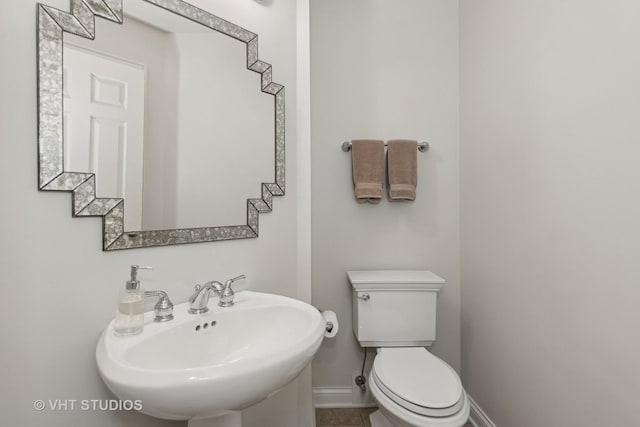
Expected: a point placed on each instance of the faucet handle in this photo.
(226, 297)
(164, 307)
(229, 282)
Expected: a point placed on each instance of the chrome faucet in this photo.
(163, 308)
(198, 302)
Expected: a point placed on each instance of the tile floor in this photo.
(347, 417)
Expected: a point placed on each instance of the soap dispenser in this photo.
(130, 311)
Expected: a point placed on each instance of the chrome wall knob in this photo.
(365, 297)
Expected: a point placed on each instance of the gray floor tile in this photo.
(338, 417)
(347, 417)
(365, 412)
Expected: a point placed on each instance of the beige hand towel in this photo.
(367, 164)
(402, 169)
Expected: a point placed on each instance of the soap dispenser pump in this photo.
(130, 311)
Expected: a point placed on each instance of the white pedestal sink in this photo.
(199, 367)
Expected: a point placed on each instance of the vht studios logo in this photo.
(87, 405)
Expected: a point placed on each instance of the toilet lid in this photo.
(418, 381)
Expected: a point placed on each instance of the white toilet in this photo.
(395, 311)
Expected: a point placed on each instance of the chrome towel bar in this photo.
(422, 146)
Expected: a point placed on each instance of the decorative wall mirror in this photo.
(179, 131)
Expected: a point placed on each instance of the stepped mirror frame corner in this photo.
(52, 23)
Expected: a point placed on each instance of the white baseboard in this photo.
(337, 397)
(477, 417)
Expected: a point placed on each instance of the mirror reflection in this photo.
(165, 113)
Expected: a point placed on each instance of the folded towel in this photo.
(402, 169)
(367, 164)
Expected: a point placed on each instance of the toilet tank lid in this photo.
(378, 279)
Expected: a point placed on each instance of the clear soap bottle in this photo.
(130, 310)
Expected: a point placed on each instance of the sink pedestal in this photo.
(232, 419)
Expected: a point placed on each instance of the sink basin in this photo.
(203, 366)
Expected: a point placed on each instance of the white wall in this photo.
(226, 129)
(59, 288)
(550, 101)
(383, 69)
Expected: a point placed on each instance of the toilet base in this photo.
(378, 419)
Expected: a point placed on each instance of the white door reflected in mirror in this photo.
(104, 125)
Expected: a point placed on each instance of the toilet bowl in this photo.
(414, 388)
(395, 312)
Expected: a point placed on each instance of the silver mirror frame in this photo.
(52, 23)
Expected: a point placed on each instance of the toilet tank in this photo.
(394, 308)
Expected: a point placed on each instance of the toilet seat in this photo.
(418, 381)
(397, 416)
